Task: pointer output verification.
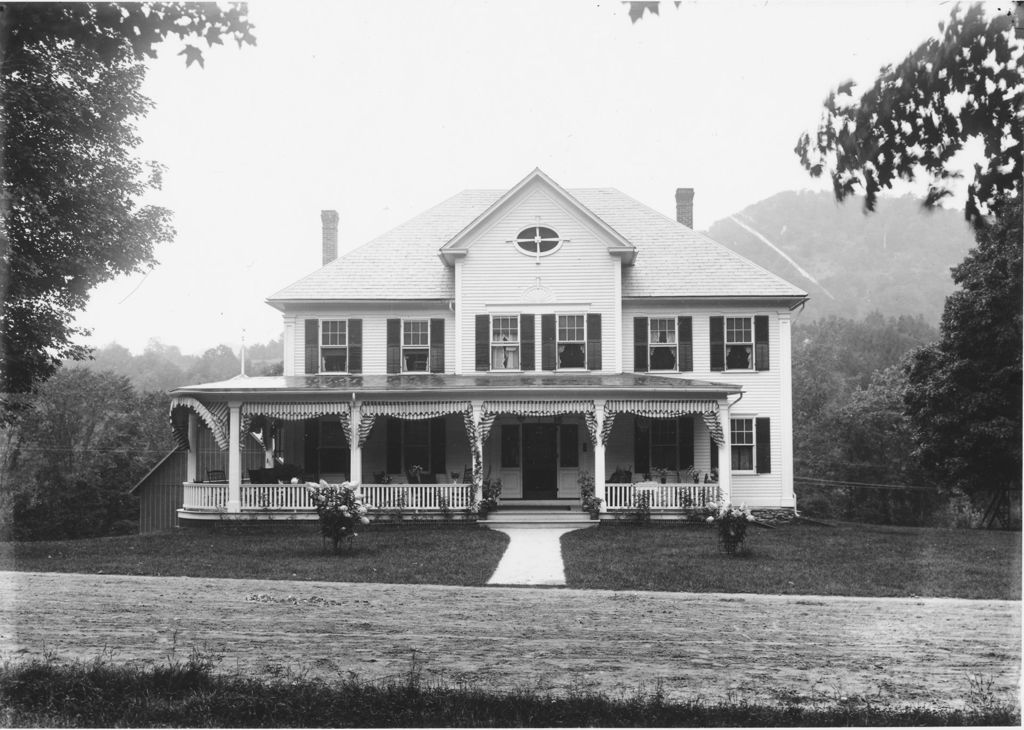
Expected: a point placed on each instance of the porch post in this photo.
(477, 449)
(268, 446)
(599, 475)
(192, 460)
(355, 451)
(234, 457)
(725, 452)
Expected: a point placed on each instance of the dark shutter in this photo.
(394, 333)
(593, 342)
(763, 441)
(528, 342)
(393, 449)
(761, 343)
(714, 454)
(437, 448)
(641, 449)
(685, 346)
(639, 344)
(437, 346)
(547, 342)
(684, 428)
(312, 346)
(311, 448)
(355, 345)
(483, 342)
(718, 343)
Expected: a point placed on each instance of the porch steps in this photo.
(526, 517)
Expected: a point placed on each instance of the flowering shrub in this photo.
(340, 509)
(491, 496)
(732, 524)
(591, 502)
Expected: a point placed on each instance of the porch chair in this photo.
(216, 475)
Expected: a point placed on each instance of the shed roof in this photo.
(672, 260)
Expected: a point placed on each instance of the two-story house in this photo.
(531, 335)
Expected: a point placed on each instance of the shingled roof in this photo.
(672, 259)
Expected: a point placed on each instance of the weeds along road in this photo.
(712, 646)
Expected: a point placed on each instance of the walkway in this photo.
(533, 557)
(791, 648)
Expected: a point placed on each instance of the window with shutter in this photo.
(751, 445)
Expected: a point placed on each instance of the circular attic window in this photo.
(538, 241)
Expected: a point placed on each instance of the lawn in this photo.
(449, 556)
(847, 559)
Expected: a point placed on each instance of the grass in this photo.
(801, 558)
(189, 694)
(448, 556)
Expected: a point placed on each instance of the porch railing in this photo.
(292, 497)
(417, 496)
(661, 496)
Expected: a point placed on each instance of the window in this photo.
(743, 444)
(538, 241)
(510, 447)
(415, 345)
(505, 342)
(572, 341)
(739, 343)
(662, 344)
(333, 346)
(664, 441)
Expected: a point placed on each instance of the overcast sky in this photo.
(380, 110)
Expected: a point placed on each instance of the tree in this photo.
(964, 393)
(966, 85)
(71, 183)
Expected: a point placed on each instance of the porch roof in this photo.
(434, 385)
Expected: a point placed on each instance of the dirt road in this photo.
(697, 645)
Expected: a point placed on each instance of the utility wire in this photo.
(836, 483)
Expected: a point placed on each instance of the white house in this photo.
(527, 335)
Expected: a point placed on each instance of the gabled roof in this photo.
(671, 259)
(459, 243)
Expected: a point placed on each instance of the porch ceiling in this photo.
(435, 385)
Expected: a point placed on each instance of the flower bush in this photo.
(732, 524)
(340, 509)
(591, 502)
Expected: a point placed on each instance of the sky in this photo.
(380, 110)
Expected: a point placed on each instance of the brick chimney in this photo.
(329, 221)
(684, 206)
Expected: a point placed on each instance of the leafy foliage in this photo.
(68, 462)
(340, 510)
(72, 217)
(964, 394)
(966, 85)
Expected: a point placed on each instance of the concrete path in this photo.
(533, 557)
(935, 651)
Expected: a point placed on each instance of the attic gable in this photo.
(537, 180)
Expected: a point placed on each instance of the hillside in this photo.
(895, 260)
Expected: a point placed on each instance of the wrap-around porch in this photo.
(413, 449)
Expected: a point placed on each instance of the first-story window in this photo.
(662, 343)
(572, 341)
(739, 343)
(505, 342)
(664, 444)
(743, 444)
(415, 345)
(333, 346)
(416, 444)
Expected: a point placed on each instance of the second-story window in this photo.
(572, 341)
(415, 345)
(663, 343)
(505, 342)
(333, 346)
(739, 343)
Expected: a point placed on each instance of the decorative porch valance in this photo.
(214, 415)
(409, 410)
(299, 412)
(706, 409)
(493, 408)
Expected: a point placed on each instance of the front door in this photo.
(540, 461)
